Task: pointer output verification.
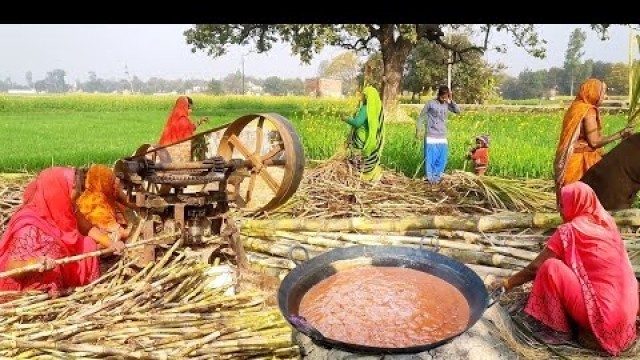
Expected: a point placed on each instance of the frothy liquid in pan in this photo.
(387, 307)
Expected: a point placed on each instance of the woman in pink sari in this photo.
(45, 228)
(584, 280)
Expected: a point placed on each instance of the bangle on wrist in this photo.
(505, 284)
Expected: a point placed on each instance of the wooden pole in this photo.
(70, 259)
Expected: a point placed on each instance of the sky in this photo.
(160, 50)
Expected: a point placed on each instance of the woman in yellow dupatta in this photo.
(581, 139)
(102, 203)
(368, 133)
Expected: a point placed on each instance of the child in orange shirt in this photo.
(480, 155)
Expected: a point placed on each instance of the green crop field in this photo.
(41, 131)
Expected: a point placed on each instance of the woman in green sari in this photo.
(367, 134)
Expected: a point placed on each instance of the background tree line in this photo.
(477, 81)
(566, 79)
(55, 82)
(474, 80)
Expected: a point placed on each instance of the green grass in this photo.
(38, 132)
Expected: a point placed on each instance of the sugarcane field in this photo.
(425, 205)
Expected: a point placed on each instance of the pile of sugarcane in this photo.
(496, 245)
(167, 310)
(334, 189)
(493, 192)
(11, 189)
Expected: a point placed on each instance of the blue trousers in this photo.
(435, 161)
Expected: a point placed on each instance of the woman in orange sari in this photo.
(581, 139)
(45, 228)
(179, 126)
(583, 281)
(103, 204)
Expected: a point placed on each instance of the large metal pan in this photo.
(310, 272)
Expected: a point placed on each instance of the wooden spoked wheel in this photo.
(272, 148)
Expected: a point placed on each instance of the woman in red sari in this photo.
(179, 126)
(583, 278)
(45, 228)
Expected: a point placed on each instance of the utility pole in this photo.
(571, 90)
(126, 71)
(449, 65)
(632, 51)
(242, 61)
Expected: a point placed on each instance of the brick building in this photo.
(323, 87)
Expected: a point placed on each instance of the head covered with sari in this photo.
(178, 126)
(98, 203)
(589, 97)
(581, 206)
(46, 226)
(47, 204)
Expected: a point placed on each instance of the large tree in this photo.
(394, 41)
(54, 81)
(275, 86)
(215, 87)
(472, 80)
(343, 67)
(553, 78)
(294, 86)
(233, 83)
(573, 57)
(618, 79)
(425, 69)
(600, 69)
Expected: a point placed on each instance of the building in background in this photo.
(323, 87)
(22, 91)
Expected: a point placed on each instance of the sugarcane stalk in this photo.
(488, 223)
(432, 241)
(164, 259)
(95, 349)
(245, 344)
(399, 240)
(70, 259)
(88, 324)
(190, 347)
(510, 240)
(67, 330)
(268, 247)
(463, 255)
(145, 288)
(173, 294)
(270, 261)
(483, 270)
(502, 239)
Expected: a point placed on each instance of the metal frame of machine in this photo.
(183, 186)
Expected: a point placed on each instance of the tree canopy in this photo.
(394, 41)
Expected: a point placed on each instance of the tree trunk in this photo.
(394, 57)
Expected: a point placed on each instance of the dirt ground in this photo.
(481, 342)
